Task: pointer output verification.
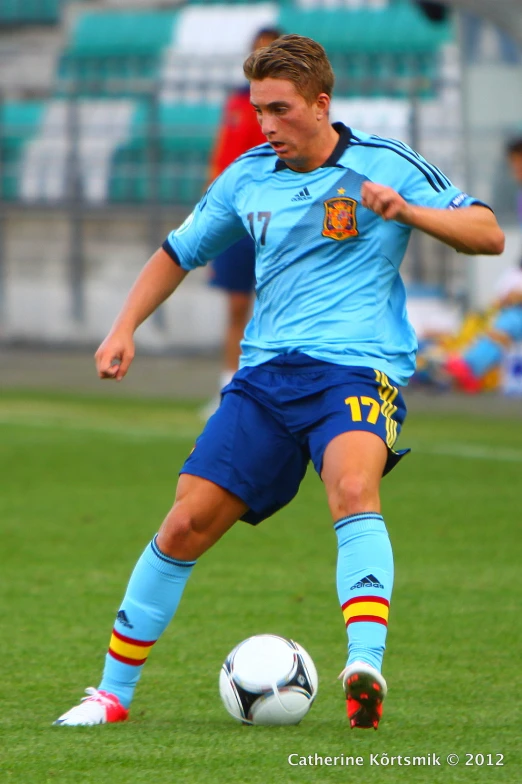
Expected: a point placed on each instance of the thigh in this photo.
(239, 307)
(368, 402)
(353, 465)
(246, 450)
(201, 514)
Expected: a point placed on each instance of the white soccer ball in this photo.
(268, 680)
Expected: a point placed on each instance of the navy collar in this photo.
(345, 136)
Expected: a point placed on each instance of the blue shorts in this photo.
(276, 417)
(234, 269)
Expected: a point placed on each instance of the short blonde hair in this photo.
(300, 60)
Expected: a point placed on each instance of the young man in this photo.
(233, 270)
(328, 346)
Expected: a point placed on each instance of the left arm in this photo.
(472, 230)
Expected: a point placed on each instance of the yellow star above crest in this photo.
(340, 191)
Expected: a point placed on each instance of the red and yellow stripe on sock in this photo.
(374, 609)
(129, 651)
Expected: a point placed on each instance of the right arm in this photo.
(157, 281)
(212, 226)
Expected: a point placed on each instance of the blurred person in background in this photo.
(436, 12)
(233, 270)
(469, 367)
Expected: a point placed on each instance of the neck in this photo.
(321, 151)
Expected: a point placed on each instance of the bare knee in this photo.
(353, 494)
(183, 534)
(201, 514)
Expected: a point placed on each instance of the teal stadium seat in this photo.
(391, 52)
(115, 54)
(23, 12)
(165, 161)
(221, 2)
(383, 53)
(19, 123)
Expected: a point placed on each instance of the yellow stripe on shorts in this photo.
(387, 394)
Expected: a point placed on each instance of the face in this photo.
(291, 125)
(515, 160)
(265, 39)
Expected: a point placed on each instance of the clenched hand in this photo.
(114, 356)
(385, 202)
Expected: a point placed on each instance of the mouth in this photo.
(278, 146)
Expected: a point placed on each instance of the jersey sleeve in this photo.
(423, 184)
(211, 227)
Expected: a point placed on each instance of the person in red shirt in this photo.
(239, 131)
(233, 270)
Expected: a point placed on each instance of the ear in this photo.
(322, 105)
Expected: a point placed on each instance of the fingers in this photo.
(377, 198)
(107, 366)
(114, 369)
(113, 360)
(123, 364)
(384, 201)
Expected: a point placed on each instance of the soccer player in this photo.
(328, 347)
(233, 270)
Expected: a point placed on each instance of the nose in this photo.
(267, 125)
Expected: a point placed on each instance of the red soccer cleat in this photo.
(365, 690)
(99, 707)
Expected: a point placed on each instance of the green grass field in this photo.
(85, 484)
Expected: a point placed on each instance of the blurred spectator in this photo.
(469, 367)
(436, 12)
(233, 271)
(514, 155)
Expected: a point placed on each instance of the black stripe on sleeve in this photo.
(440, 176)
(478, 203)
(169, 250)
(418, 164)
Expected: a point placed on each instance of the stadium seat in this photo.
(30, 12)
(116, 54)
(165, 160)
(19, 123)
(100, 126)
(375, 51)
(179, 65)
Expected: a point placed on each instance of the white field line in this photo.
(468, 451)
(171, 431)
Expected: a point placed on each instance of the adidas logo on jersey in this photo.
(367, 582)
(302, 195)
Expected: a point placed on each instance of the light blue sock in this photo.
(364, 584)
(152, 598)
(483, 355)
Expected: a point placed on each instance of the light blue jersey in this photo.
(327, 269)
